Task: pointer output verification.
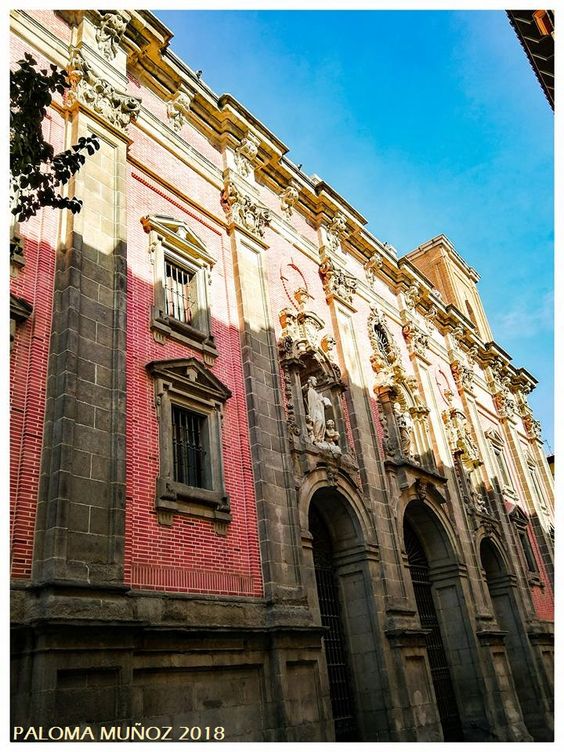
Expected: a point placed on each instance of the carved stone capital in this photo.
(336, 231)
(93, 91)
(336, 282)
(416, 339)
(110, 31)
(372, 266)
(459, 437)
(243, 210)
(246, 153)
(463, 376)
(178, 110)
(412, 296)
(289, 198)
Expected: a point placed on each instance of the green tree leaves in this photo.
(37, 173)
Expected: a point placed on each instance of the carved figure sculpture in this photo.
(332, 436)
(405, 428)
(316, 404)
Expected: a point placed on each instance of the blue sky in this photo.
(427, 122)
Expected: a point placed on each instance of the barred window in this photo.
(189, 454)
(381, 339)
(528, 551)
(180, 292)
(182, 267)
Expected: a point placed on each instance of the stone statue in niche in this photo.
(332, 436)
(405, 429)
(316, 404)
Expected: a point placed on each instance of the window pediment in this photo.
(190, 375)
(179, 235)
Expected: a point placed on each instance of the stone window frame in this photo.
(189, 384)
(173, 240)
(497, 448)
(521, 524)
(536, 484)
(20, 311)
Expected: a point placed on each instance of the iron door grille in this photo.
(342, 701)
(188, 451)
(440, 672)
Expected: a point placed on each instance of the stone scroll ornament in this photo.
(110, 33)
(117, 107)
(243, 210)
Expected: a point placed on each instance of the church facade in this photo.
(268, 478)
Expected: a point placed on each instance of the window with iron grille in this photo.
(182, 266)
(528, 551)
(188, 450)
(180, 292)
(190, 402)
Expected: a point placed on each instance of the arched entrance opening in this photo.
(335, 641)
(440, 670)
(506, 611)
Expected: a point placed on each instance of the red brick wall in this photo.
(189, 556)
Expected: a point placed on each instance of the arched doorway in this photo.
(440, 669)
(525, 673)
(335, 640)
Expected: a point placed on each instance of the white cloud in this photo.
(526, 318)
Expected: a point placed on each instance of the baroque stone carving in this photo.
(385, 359)
(110, 33)
(246, 153)
(118, 108)
(405, 427)
(336, 282)
(459, 437)
(500, 384)
(243, 210)
(463, 376)
(178, 109)
(336, 231)
(372, 266)
(289, 198)
(416, 338)
(412, 296)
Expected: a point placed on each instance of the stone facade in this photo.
(370, 479)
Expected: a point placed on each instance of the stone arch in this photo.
(350, 511)
(427, 504)
(448, 596)
(528, 679)
(333, 516)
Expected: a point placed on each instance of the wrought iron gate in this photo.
(440, 673)
(340, 685)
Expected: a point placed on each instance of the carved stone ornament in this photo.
(385, 359)
(289, 198)
(117, 107)
(246, 153)
(110, 33)
(412, 296)
(178, 109)
(459, 438)
(336, 282)
(463, 376)
(301, 335)
(405, 428)
(336, 231)
(500, 384)
(532, 427)
(321, 431)
(243, 210)
(372, 266)
(416, 338)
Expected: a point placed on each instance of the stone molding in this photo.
(90, 89)
(178, 110)
(289, 198)
(336, 282)
(241, 209)
(110, 31)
